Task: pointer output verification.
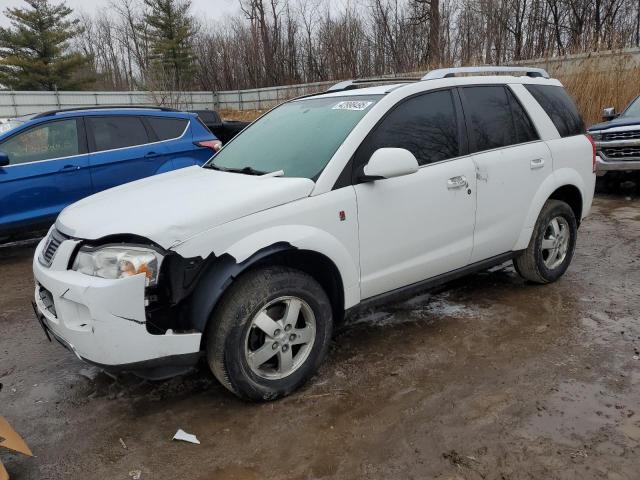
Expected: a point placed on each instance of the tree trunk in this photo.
(434, 33)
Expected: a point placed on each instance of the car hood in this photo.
(172, 207)
(618, 122)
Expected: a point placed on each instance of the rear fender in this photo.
(560, 178)
(198, 156)
(165, 167)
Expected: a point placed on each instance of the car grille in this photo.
(628, 135)
(47, 300)
(622, 153)
(51, 247)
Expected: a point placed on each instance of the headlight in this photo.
(119, 262)
(597, 136)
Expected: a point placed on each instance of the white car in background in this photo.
(325, 203)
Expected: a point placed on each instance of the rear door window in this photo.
(167, 128)
(426, 125)
(560, 107)
(44, 142)
(489, 118)
(117, 132)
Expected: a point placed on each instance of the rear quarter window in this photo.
(524, 128)
(560, 107)
(167, 128)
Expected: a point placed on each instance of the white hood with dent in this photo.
(175, 206)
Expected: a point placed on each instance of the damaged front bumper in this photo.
(103, 321)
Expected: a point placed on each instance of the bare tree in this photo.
(275, 42)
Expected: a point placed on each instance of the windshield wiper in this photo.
(245, 170)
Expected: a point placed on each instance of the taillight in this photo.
(214, 145)
(593, 150)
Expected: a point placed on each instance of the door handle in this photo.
(69, 168)
(457, 182)
(536, 163)
(151, 154)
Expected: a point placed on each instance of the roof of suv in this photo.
(112, 110)
(441, 82)
(25, 121)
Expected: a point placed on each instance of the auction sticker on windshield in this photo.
(352, 105)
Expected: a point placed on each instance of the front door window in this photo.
(44, 142)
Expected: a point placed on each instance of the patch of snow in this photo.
(417, 308)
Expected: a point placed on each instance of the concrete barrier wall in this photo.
(21, 103)
(13, 104)
(611, 60)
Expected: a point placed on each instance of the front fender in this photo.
(304, 237)
(218, 275)
(226, 265)
(560, 178)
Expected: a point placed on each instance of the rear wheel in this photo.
(270, 333)
(552, 244)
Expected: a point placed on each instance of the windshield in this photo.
(633, 110)
(299, 137)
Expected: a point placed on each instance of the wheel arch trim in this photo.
(218, 275)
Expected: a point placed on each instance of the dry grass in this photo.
(594, 89)
(243, 115)
(593, 84)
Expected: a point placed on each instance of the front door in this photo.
(420, 225)
(48, 170)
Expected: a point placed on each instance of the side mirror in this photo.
(389, 163)
(4, 159)
(609, 114)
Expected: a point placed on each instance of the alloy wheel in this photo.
(280, 337)
(555, 242)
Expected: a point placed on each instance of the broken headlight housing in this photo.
(119, 262)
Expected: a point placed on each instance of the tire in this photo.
(236, 341)
(538, 263)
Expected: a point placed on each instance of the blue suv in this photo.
(52, 159)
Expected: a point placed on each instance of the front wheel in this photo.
(270, 333)
(552, 244)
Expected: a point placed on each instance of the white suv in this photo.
(325, 203)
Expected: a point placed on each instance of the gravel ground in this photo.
(488, 378)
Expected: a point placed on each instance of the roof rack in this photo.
(452, 72)
(353, 84)
(105, 107)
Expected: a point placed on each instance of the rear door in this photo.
(48, 170)
(511, 163)
(122, 149)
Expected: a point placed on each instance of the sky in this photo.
(214, 9)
